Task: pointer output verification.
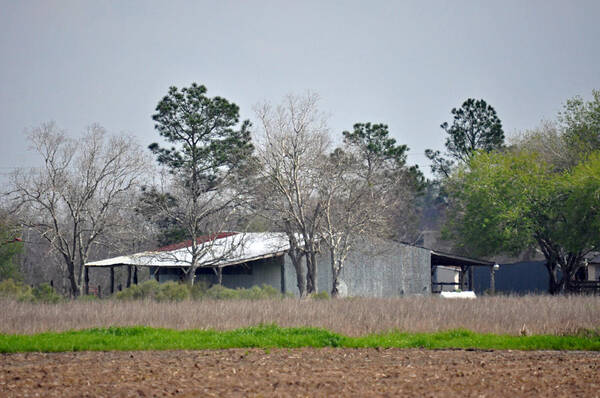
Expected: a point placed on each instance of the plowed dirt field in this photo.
(301, 372)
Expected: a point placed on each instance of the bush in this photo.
(259, 293)
(45, 293)
(142, 291)
(320, 296)
(169, 291)
(199, 290)
(16, 290)
(220, 292)
(172, 291)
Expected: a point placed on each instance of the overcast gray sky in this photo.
(402, 63)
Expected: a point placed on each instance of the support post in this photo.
(471, 274)
(135, 275)
(129, 276)
(112, 280)
(462, 277)
(86, 280)
(99, 291)
(493, 270)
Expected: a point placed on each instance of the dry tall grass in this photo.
(507, 315)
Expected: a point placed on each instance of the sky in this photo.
(402, 63)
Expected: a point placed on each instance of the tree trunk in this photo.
(219, 274)
(296, 256)
(300, 277)
(311, 277)
(335, 276)
(335, 273)
(72, 278)
(190, 276)
(553, 282)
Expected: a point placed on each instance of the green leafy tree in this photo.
(208, 158)
(475, 127)
(506, 202)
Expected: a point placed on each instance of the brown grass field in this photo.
(308, 371)
(353, 317)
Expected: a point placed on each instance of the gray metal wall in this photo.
(389, 270)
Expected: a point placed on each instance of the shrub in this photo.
(45, 293)
(10, 288)
(144, 290)
(172, 291)
(16, 290)
(258, 293)
(169, 291)
(220, 292)
(199, 289)
(320, 296)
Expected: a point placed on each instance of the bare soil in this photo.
(301, 372)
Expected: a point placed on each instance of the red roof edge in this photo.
(199, 240)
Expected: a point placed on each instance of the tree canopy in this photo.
(202, 131)
(475, 126)
(366, 185)
(209, 158)
(506, 202)
(580, 123)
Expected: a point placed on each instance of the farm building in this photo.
(531, 277)
(593, 267)
(247, 259)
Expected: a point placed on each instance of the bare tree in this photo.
(362, 188)
(203, 215)
(80, 192)
(295, 140)
(550, 143)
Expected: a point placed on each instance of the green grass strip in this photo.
(272, 336)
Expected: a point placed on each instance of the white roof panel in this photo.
(221, 252)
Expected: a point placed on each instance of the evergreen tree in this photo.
(208, 159)
(476, 126)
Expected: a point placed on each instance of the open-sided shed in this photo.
(246, 259)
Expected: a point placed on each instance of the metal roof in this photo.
(440, 258)
(226, 249)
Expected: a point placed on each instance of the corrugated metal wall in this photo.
(389, 270)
